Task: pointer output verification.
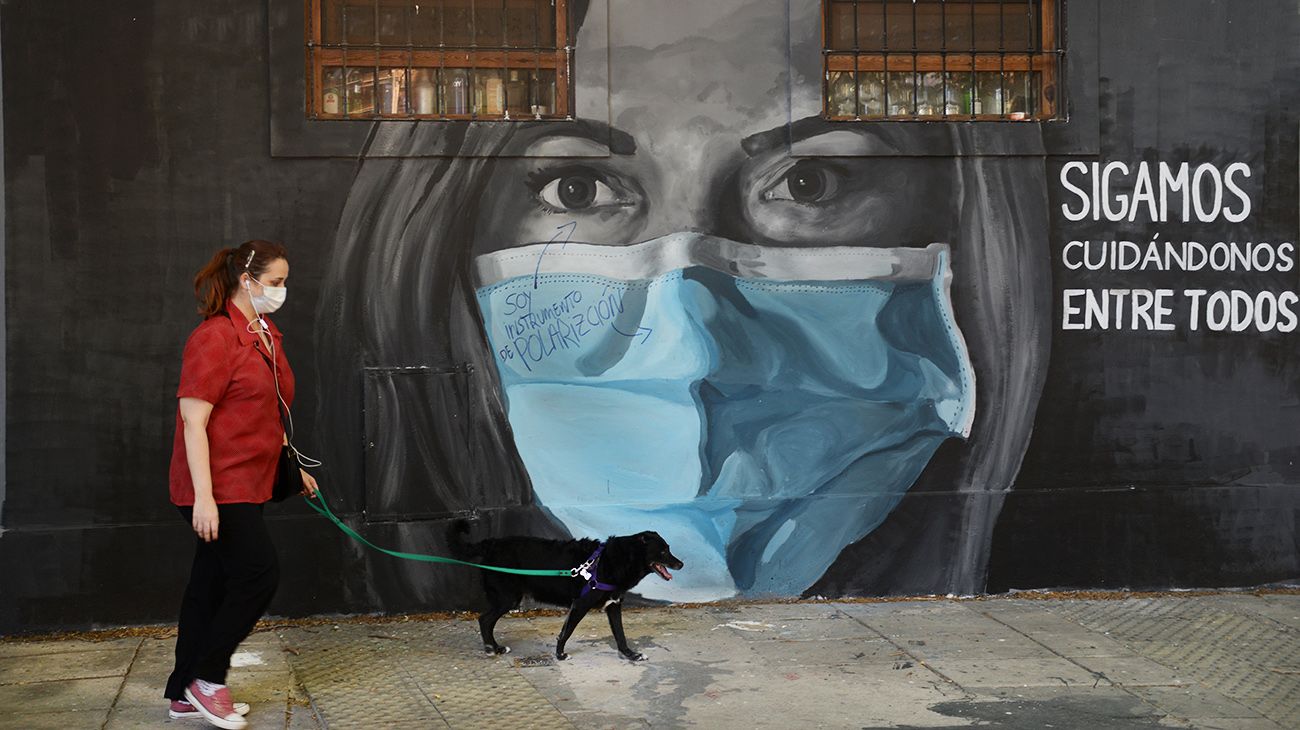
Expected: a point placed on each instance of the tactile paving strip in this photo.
(1248, 657)
(418, 675)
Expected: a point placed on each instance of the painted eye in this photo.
(578, 191)
(806, 182)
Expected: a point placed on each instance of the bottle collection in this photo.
(490, 93)
(905, 94)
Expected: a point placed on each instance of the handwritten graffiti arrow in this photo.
(571, 226)
(639, 330)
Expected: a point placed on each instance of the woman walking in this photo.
(234, 380)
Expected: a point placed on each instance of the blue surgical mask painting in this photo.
(759, 407)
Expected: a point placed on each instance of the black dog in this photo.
(621, 563)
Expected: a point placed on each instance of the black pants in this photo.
(232, 581)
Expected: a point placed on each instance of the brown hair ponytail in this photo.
(216, 281)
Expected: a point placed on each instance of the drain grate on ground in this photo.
(535, 661)
(424, 675)
(1238, 653)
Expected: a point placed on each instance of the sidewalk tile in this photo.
(1039, 672)
(69, 665)
(1081, 642)
(59, 696)
(1135, 671)
(1194, 701)
(56, 646)
(54, 720)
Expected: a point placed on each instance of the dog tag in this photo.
(585, 573)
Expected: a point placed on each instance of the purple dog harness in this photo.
(589, 570)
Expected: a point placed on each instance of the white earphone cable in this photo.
(302, 458)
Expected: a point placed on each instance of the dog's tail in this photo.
(459, 544)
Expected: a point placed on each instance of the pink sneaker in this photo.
(214, 703)
(182, 710)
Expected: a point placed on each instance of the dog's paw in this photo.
(494, 650)
(634, 656)
(561, 655)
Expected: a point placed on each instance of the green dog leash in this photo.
(324, 509)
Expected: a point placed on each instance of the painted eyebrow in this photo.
(768, 140)
(800, 131)
(619, 141)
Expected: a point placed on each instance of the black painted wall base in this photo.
(1122, 538)
(1147, 538)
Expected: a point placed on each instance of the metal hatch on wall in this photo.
(409, 478)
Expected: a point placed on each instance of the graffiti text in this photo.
(556, 326)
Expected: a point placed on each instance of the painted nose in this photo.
(696, 192)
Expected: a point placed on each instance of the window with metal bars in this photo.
(440, 59)
(928, 60)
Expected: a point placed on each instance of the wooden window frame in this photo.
(318, 55)
(1045, 61)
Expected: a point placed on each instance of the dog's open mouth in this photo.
(662, 570)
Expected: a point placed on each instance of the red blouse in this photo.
(227, 365)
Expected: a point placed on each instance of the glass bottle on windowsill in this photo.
(494, 95)
(459, 93)
(424, 92)
(516, 96)
(332, 97)
(873, 104)
(543, 93)
(843, 93)
(385, 102)
(330, 103)
(930, 101)
(991, 101)
(956, 95)
(355, 103)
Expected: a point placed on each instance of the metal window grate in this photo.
(440, 59)
(935, 60)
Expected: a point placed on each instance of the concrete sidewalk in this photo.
(1217, 661)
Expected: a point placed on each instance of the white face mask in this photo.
(271, 298)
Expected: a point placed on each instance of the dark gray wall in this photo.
(137, 141)
(4, 357)
(1169, 458)
(136, 144)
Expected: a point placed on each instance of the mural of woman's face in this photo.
(718, 162)
(751, 352)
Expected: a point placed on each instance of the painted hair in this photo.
(216, 281)
(402, 356)
(938, 539)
